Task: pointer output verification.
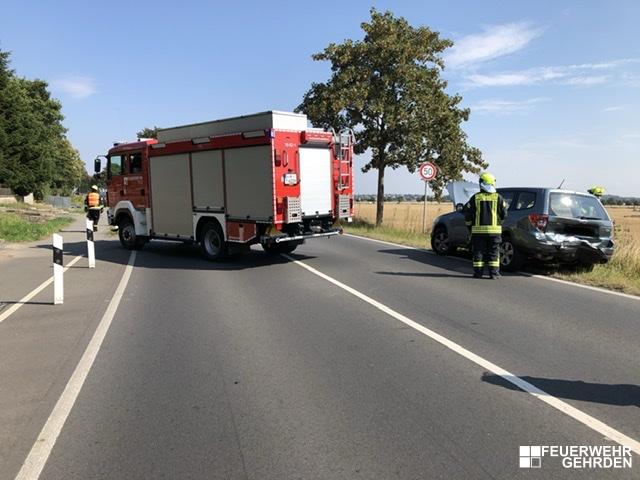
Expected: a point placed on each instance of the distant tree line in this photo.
(398, 197)
(615, 200)
(35, 154)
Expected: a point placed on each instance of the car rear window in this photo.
(526, 200)
(573, 205)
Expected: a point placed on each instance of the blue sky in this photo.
(553, 86)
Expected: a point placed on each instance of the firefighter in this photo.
(596, 191)
(93, 206)
(484, 213)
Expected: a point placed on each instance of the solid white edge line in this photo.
(541, 277)
(34, 292)
(556, 403)
(39, 454)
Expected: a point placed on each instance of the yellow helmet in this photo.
(488, 182)
(596, 191)
(94, 188)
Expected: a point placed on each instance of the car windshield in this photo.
(572, 205)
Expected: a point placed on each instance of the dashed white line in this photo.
(556, 403)
(39, 454)
(34, 292)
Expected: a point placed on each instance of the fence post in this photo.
(91, 251)
(58, 270)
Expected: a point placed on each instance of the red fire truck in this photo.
(227, 184)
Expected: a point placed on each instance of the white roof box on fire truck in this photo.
(244, 123)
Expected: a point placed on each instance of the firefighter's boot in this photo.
(477, 272)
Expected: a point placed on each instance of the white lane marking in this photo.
(564, 407)
(542, 277)
(34, 292)
(35, 461)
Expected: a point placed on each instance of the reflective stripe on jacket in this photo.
(485, 213)
(93, 200)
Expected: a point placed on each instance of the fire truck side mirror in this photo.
(97, 165)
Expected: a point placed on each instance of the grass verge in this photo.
(621, 274)
(13, 228)
(389, 234)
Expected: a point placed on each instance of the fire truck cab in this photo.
(227, 184)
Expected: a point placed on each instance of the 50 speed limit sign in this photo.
(427, 171)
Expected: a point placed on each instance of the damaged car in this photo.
(546, 225)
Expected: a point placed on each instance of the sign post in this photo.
(91, 251)
(58, 270)
(427, 172)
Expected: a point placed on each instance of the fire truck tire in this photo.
(276, 248)
(212, 241)
(128, 237)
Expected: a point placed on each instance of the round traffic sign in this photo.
(427, 171)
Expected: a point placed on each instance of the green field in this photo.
(15, 228)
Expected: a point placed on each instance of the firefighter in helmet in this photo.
(484, 214)
(93, 206)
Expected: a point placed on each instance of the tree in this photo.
(387, 88)
(35, 154)
(68, 170)
(147, 132)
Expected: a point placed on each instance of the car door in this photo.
(133, 180)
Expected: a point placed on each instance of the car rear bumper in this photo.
(566, 249)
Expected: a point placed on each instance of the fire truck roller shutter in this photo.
(206, 170)
(249, 176)
(315, 181)
(171, 195)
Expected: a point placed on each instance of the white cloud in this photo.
(496, 41)
(613, 108)
(75, 86)
(587, 80)
(506, 107)
(579, 74)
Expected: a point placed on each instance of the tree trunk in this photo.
(380, 199)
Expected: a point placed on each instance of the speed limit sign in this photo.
(427, 171)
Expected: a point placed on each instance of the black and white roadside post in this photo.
(58, 270)
(91, 251)
(427, 172)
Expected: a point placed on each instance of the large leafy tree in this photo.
(35, 154)
(387, 88)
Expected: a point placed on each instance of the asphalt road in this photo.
(257, 368)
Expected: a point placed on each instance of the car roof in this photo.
(544, 189)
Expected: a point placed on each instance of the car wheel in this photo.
(212, 242)
(440, 241)
(510, 257)
(127, 235)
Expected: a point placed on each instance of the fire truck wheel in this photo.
(128, 237)
(286, 247)
(212, 241)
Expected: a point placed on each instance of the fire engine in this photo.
(264, 178)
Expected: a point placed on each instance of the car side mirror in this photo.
(459, 207)
(97, 165)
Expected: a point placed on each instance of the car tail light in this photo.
(539, 221)
(279, 206)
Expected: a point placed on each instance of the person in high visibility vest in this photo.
(484, 214)
(93, 206)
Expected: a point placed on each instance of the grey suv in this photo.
(543, 224)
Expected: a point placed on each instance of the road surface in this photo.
(260, 368)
